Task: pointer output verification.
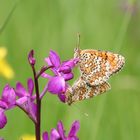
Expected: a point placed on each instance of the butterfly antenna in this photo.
(77, 49)
(78, 41)
(81, 111)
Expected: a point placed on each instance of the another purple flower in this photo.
(59, 133)
(26, 98)
(129, 6)
(62, 73)
(7, 102)
(1, 138)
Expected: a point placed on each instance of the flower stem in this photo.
(43, 92)
(38, 101)
(43, 69)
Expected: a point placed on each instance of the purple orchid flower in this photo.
(7, 102)
(26, 98)
(59, 133)
(62, 73)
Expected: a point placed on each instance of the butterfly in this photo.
(96, 67)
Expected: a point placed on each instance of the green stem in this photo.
(38, 101)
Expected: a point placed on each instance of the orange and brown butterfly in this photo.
(96, 67)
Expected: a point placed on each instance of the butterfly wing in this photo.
(81, 90)
(97, 66)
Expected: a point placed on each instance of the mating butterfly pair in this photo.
(96, 67)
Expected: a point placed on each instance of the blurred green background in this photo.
(42, 25)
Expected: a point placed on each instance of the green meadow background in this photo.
(43, 25)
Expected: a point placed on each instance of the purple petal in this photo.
(28, 105)
(33, 97)
(44, 75)
(54, 58)
(74, 129)
(32, 109)
(53, 69)
(21, 100)
(9, 96)
(61, 130)
(71, 63)
(68, 76)
(54, 135)
(31, 57)
(57, 85)
(30, 86)
(48, 61)
(3, 105)
(1, 138)
(3, 119)
(62, 97)
(45, 136)
(65, 69)
(20, 90)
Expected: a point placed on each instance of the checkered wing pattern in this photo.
(81, 90)
(97, 66)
